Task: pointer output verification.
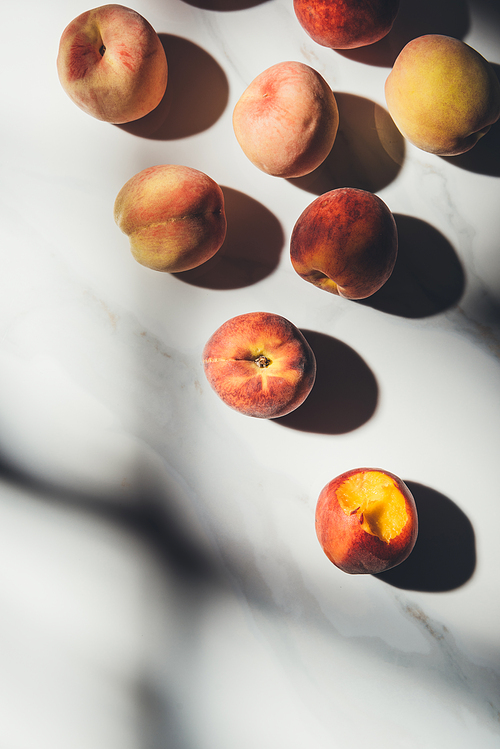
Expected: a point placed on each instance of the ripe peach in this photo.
(112, 64)
(286, 120)
(366, 521)
(442, 94)
(173, 215)
(346, 24)
(260, 364)
(345, 242)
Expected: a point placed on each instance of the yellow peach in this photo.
(442, 94)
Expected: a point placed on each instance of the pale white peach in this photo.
(286, 120)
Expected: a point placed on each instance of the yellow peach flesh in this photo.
(377, 501)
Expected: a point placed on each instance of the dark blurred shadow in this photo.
(251, 249)
(345, 394)
(196, 96)
(449, 17)
(487, 11)
(147, 516)
(368, 151)
(225, 5)
(484, 157)
(444, 556)
(483, 308)
(428, 277)
(162, 715)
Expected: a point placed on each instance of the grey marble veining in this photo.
(162, 584)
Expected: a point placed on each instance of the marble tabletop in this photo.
(161, 582)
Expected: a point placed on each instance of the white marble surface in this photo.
(161, 583)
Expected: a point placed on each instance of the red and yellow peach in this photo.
(345, 242)
(173, 216)
(260, 364)
(346, 24)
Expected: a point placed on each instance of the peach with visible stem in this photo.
(260, 364)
